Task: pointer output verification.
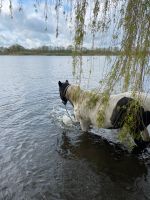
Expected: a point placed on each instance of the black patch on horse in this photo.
(146, 118)
(120, 111)
(127, 107)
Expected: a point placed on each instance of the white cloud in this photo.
(28, 27)
(6, 6)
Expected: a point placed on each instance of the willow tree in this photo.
(130, 20)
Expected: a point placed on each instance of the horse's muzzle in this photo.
(64, 102)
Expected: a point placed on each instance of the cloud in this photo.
(6, 6)
(27, 27)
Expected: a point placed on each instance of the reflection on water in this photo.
(40, 158)
(103, 167)
(100, 152)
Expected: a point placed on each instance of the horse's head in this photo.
(62, 91)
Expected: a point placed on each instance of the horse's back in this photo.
(143, 97)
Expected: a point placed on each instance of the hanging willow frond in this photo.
(11, 8)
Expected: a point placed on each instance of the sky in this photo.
(28, 27)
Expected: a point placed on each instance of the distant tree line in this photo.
(60, 50)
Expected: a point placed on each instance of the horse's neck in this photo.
(73, 94)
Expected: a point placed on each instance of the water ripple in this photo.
(41, 158)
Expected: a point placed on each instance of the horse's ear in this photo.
(67, 81)
(59, 83)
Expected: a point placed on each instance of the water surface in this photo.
(40, 158)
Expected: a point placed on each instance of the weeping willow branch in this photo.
(10, 8)
(1, 5)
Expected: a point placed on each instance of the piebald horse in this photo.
(114, 113)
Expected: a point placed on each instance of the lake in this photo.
(40, 158)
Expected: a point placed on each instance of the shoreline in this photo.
(59, 54)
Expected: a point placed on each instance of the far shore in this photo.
(17, 50)
(60, 53)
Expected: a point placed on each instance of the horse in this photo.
(89, 109)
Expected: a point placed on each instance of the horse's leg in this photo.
(143, 141)
(84, 125)
(143, 138)
(145, 135)
(76, 114)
